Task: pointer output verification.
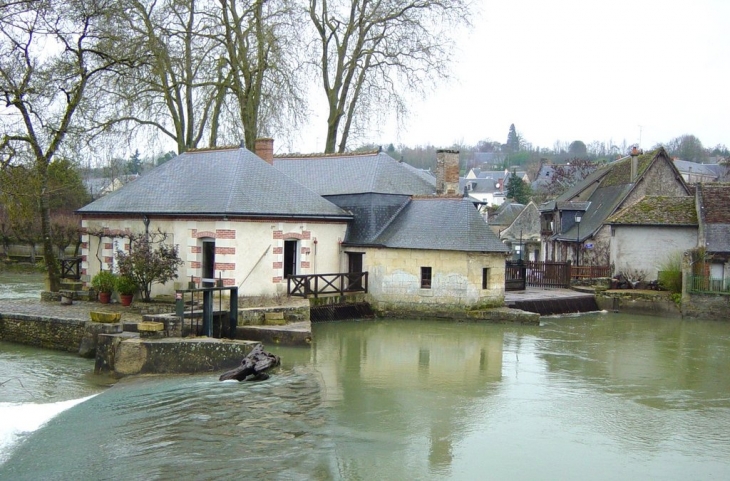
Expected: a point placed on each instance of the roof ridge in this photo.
(198, 150)
(326, 155)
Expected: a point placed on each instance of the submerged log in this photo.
(254, 364)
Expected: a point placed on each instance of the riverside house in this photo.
(252, 220)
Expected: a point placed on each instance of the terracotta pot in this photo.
(105, 297)
(126, 299)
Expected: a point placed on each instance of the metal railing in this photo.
(709, 284)
(315, 285)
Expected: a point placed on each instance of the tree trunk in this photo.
(254, 364)
(53, 273)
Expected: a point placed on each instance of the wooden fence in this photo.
(590, 272)
(327, 284)
(536, 274)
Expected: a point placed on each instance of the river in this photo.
(601, 396)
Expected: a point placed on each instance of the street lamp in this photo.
(578, 218)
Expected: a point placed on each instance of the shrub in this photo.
(146, 264)
(670, 273)
(104, 281)
(126, 286)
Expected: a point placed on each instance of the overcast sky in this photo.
(644, 71)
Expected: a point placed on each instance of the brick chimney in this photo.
(447, 172)
(265, 149)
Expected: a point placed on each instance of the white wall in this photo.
(249, 254)
(646, 248)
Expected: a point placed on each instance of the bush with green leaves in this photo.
(126, 286)
(104, 281)
(147, 264)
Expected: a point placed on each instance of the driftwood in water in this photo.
(254, 364)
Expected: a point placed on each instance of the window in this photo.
(208, 273)
(485, 278)
(425, 278)
(290, 258)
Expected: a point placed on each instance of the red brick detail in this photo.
(224, 266)
(277, 279)
(84, 259)
(108, 259)
(195, 265)
(229, 282)
(108, 245)
(278, 234)
(197, 280)
(305, 264)
(83, 272)
(225, 234)
(225, 250)
(126, 247)
(278, 265)
(306, 234)
(292, 235)
(196, 249)
(204, 233)
(306, 250)
(84, 245)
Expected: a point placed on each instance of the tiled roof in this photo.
(216, 182)
(356, 174)
(714, 209)
(440, 224)
(506, 214)
(658, 210)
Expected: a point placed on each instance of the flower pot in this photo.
(126, 299)
(105, 297)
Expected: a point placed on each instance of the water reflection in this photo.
(593, 397)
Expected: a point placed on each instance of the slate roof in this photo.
(526, 226)
(714, 209)
(371, 212)
(658, 210)
(216, 182)
(687, 167)
(506, 214)
(356, 174)
(439, 223)
(484, 186)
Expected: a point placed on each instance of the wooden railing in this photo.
(327, 284)
(71, 268)
(590, 272)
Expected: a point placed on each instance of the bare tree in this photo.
(51, 55)
(370, 51)
(260, 38)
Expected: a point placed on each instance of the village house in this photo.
(574, 226)
(523, 235)
(713, 211)
(647, 234)
(254, 220)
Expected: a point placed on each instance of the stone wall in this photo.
(124, 357)
(706, 306)
(649, 303)
(45, 332)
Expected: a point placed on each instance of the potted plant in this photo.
(104, 283)
(126, 287)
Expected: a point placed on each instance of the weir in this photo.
(547, 302)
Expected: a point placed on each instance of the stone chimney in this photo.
(447, 172)
(265, 149)
(634, 163)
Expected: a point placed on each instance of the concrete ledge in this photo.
(123, 356)
(150, 326)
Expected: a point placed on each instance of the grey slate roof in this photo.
(526, 226)
(440, 224)
(506, 214)
(356, 174)
(371, 212)
(216, 182)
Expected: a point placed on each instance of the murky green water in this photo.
(20, 285)
(600, 397)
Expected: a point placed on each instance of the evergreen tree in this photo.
(513, 140)
(517, 189)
